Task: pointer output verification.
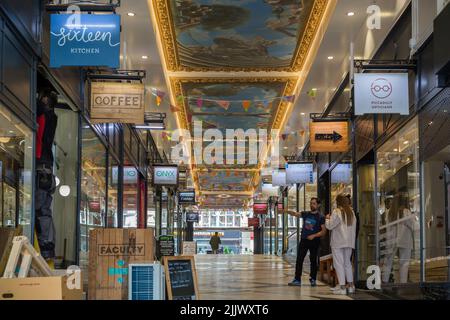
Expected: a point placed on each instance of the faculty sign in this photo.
(381, 93)
(85, 40)
(117, 102)
(329, 136)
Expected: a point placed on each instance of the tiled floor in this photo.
(254, 277)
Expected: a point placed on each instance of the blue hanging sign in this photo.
(85, 40)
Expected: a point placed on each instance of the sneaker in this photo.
(340, 292)
(335, 288)
(351, 290)
(313, 282)
(295, 283)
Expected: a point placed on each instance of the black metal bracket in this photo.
(125, 75)
(385, 65)
(84, 5)
(338, 116)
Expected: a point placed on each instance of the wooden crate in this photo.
(110, 253)
(6, 237)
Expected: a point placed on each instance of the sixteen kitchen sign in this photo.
(381, 93)
(85, 40)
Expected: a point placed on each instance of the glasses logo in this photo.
(381, 88)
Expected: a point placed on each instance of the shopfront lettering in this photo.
(165, 173)
(121, 250)
(82, 35)
(117, 100)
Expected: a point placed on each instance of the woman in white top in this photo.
(342, 224)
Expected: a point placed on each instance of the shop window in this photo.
(113, 175)
(16, 153)
(93, 188)
(341, 180)
(399, 206)
(151, 208)
(66, 172)
(130, 195)
(436, 206)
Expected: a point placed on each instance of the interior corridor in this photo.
(254, 277)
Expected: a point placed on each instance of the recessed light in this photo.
(430, 123)
(314, 89)
(285, 148)
(302, 113)
(131, 14)
(330, 58)
(406, 142)
(350, 14)
(145, 57)
(395, 150)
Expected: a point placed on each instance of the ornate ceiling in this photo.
(235, 51)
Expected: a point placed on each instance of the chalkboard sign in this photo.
(166, 246)
(181, 278)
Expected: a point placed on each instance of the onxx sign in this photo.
(165, 175)
(85, 40)
(381, 93)
(113, 102)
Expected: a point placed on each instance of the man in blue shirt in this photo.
(313, 229)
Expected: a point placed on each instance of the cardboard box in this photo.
(38, 288)
(6, 238)
(110, 253)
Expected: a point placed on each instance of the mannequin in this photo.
(45, 180)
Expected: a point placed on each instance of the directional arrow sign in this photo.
(335, 137)
(329, 136)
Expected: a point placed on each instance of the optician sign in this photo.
(299, 173)
(329, 136)
(117, 102)
(85, 40)
(165, 175)
(381, 93)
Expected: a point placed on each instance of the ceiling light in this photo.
(406, 142)
(350, 14)
(302, 113)
(145, 57)
(285, 148)
(395, 150)
(151, 126)
(314, 89)
(131, 14)
(330, 58)
(430, 123)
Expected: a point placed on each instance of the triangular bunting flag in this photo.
(284, 136)
(180, 99)
(199, 103)
(302, 133)
(246, 104)
(228, 173)
(160, 94)
(289, 98)
(174, 109)
(189, 117)
(158, 100)
(224, 104)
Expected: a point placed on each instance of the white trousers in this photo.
(342, 262)
(404, 258)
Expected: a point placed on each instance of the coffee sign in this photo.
(85, 40)
(381, 93)
(117, 102)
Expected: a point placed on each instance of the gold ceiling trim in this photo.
(168, 39)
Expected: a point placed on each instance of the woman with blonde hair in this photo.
(342, 224)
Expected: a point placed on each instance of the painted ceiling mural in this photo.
(238, 34)
(204, 44)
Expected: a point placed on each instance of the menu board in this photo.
(299, 173)
(181, 278)
(166, 246)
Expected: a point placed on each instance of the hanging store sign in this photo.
(299, 173)
(85, 40)
(117, 102)
(381, 93)
(186, 197)
(260, 208)
(165, 175)
(329, 136)
(279, 178)
(253, 222)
